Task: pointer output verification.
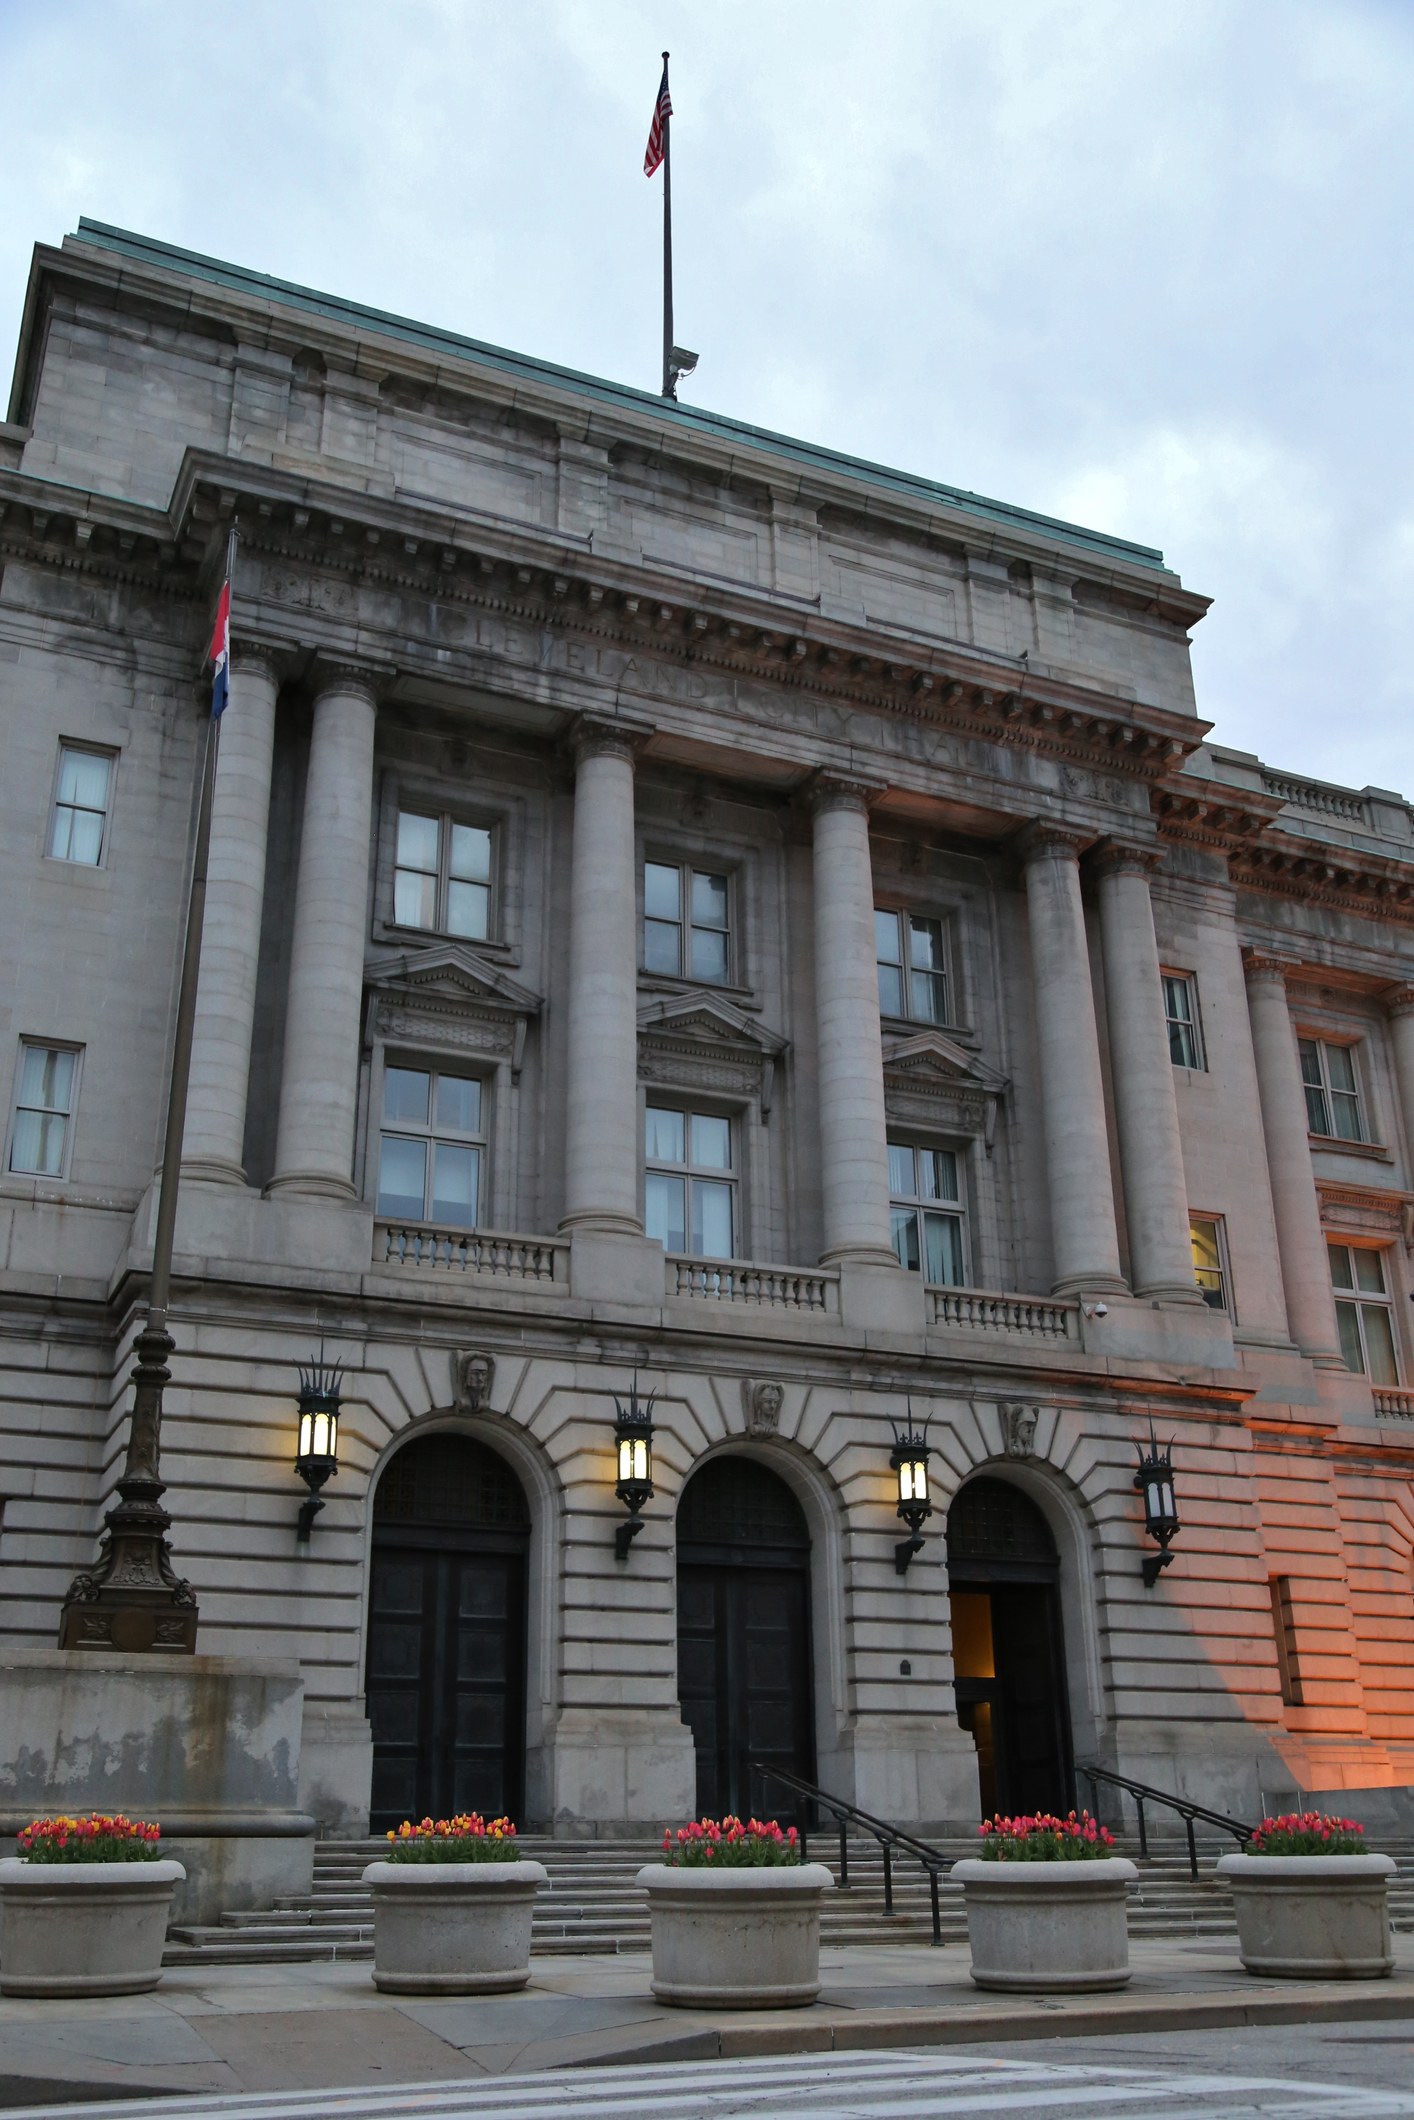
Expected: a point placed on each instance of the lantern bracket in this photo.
(1153, 1478)
(633, 1450)
(319, 1399)
(910, 1451)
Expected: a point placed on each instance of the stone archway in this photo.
(1008, 1648)
(446, 1633)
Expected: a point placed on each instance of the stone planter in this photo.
(736, 1939)
(84, 1928)
(452, 1928)
(1312, 1917)
(1047, 1928)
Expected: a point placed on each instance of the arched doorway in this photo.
(1008, 1653)
(446, 1634)
(744, 1637)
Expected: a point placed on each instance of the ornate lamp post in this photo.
(317, 1451)
(1154, 1480)
(909, 1461)
(633, 1444)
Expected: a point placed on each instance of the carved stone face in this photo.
(768, 1400)
(474, 1375)
(1020, 1430)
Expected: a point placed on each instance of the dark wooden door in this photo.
(446, 1639)
(1033, 1765)
(744, 1685)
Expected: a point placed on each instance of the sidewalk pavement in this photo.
(324, 2027)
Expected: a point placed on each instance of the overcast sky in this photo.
(1143, 266)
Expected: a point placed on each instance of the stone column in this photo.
(230, 940)
(1399, 1007)
(601, 1131)
(854, 1154)
(1305, 1268)
(1146, 1109)
(1084, 1237)
(319, 1085)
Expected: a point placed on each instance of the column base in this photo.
(211, 1170)
(1171, 1294)
(312, 1184)
(616, 1266)
(603, 1218)
(1090, 1284)
(861, 1255)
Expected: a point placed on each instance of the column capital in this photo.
(1112, 857)
(331, 675)
(256, 657)
(837, 791)
(1398, 1001)
(1045, 840)
(1267, 967)
(591, 737)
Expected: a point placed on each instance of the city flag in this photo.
(662, 111)
(221, 653)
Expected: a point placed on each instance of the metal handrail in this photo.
(889, 1837)
(1142, 1794)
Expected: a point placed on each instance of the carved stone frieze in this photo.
(1367, 1211)
(700, 1041)
(447, 996)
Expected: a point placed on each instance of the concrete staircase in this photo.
(592, 1904)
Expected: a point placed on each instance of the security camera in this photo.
(1102, 1310)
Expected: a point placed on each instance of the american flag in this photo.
(662, 111)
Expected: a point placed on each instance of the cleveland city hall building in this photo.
(682, 902)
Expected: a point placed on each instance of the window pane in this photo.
(402, 1178)
(890, 990)
(85, 835)
(1207, 1262)
(38, 1144)
(662, 889)
(1379, 1344)
(663, 1138)
(1176, 1000)
(929, 994)
(1340, 1068)
(1310, 1060)
(414, 900)
(663, 1211)
(937, 1174)
(709, 900)
(711, 1219)
(1183, 1045)
(1349, 1324)
(471, 853)
(456, 1173)
(405, 1095)
(925, 944)
(1369, 1272)
(901, 1178)
(886, 938)
(417, 842)
(942, 1236)
(468, 909)
(47, 1079)
(459, 1103)
(83, 780)
(709, 955)
(904, 1231)
(1317, 1117)
(1341, 1276)
(711, 1142)
(1347, 1116)
(660, 947)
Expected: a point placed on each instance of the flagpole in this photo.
(133, 1599)
(668, 390)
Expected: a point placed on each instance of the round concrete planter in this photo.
(84, 1928)
(1312, 1917)
(736, 1939)
(452, 1928)
(1047, 1928)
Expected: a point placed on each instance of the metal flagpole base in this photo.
(134, 1600)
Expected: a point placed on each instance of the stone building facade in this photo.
(682, 902)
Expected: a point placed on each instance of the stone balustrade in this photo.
(972, 1310)
(1393, 1405)
(739, 1281)
(473, 1251)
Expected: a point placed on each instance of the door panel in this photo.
(1032, 1754)
(744, 1683)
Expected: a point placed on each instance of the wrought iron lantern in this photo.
(633, 1446)
(317, 1454)
(1154, 1480)
(909, 1460)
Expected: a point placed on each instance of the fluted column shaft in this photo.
(601, 1133)
(1083, 1232)
(1305, 1267)
(230, 945)
(319, 1084)
(1146, 1108)
(854, 1154)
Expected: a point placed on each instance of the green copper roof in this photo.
(146, 250)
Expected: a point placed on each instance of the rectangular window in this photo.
(1206, 1236)
(685, 923)
(1181, 1010)
(1363, 1312)
(926, 1213)
(1332, 1090)
(430, 1150)
(1284, 1628)
(79, 826)
(689, 1192)
(44, 1110)
(442, 876)
(913, 972)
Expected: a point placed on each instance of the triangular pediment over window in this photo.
(932, 1056)
(448, 997)
(931, 1080)
(703, 1042)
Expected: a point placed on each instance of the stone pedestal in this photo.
(613, 1773)
(207, 1746)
